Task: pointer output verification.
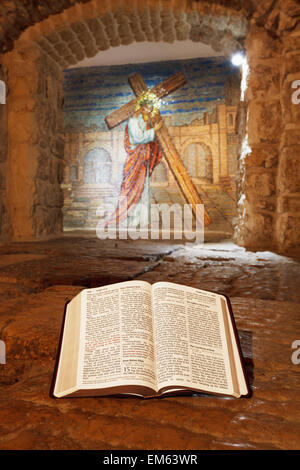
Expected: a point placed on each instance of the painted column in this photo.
(216, 155)
(222, 122)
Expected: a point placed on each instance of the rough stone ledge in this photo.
(30, 419)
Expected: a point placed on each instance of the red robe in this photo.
(134, 176)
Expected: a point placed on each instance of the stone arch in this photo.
(160, 174)
(149, 18)
(85, 29)
(61, 35)
(63, 39)
(90, 147)
(198, 160)
(97, 167)
(204, 139)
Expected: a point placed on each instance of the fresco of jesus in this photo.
(143, 154)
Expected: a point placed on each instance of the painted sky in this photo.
(94, 92)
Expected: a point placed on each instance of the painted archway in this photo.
(97, 167)
(198, 160)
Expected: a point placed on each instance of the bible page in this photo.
(190, 340)
(116, 337)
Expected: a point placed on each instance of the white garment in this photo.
(139, 134)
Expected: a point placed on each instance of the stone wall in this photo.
(288, 181)
(47, 215)
(35, 150)
(260, 142)
(269, 188)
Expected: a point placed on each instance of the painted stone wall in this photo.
(201, 121)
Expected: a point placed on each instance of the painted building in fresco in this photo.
(201, 120)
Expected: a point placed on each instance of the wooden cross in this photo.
(169, 151)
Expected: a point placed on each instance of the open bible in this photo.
(148, 340)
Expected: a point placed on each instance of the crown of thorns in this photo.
(148, 98)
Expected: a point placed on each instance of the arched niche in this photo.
(198, 160)
(97, 167)
(159, 176)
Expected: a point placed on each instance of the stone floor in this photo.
(36, 279)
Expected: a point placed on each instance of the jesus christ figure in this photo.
(143, 154)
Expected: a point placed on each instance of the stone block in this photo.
(47, 194)
(279, 22)
(291, 42)
(264, 122)
(268, 204)
(264, 155)
(262, 46)
(290, 108)
(53, 38)
(290, 135)
(260, 228)
(264, 81)
(255, 228)
(44, 165)
(23, 76)
(288, 233)
(289, 169)
(67, 35)
(289, 204)
(23, 127)
(290, 8)
(77, 50)
(46, 220)
(291, 63)
(261, 184)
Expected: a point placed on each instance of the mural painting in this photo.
(115, 131)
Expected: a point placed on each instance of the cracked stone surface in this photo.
(36, 280)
